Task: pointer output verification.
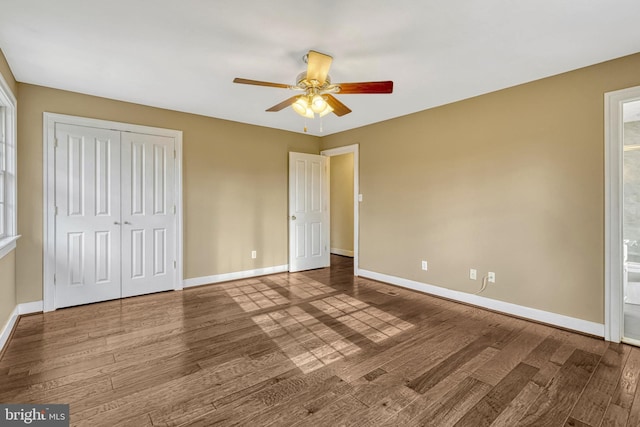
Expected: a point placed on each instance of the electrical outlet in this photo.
(473, 274)
(424, 265)
(254, 254)
(491, 277)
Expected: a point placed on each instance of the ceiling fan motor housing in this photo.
(303, 83)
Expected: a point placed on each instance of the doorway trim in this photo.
(355, 149)
(48, 176)
(613, 199)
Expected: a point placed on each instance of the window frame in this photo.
(3, 160)
(9, 111)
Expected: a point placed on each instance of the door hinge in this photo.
(175, 265)
(56, 210)
(175, 210)
(54, 279)
(55, 143)
(174, 154)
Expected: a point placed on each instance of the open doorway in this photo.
(622, 216)
(344, 200)
(341, 195)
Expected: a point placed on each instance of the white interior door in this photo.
(308, 211)
(87, 221)
(148, 214)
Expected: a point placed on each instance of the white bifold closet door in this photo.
(87, 215)
(148, 218)
(115, 220)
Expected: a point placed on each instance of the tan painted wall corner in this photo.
(510, 182)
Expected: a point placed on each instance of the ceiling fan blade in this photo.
(283, 104)
(339, 109)
(259, 83)
(318, 65)
(365, 87)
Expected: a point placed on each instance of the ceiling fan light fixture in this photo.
(303, 107)
(300, 106)
(318, 104)
(309, 114)
(316, 89)
(327, 110)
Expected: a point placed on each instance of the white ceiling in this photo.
(183, 55)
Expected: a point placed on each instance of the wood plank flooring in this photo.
(317, 348)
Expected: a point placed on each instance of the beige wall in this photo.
(7, 264)
(342, 202)
(234, 183)
(510, 182)
(7, 287)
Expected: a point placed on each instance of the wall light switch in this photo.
(359, 197)
(424, 265)
(254, 254)
(473, 274)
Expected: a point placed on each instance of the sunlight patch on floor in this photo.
(254, 296)
(371, 322)
(302, 288)
(309, 343)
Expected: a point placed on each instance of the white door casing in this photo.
(148, 218)
(88, 215)
(613, 242)
(308, 211)
(162, 193)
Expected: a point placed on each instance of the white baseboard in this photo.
(342, 252)
(24, 308)
(555, 319)
(8, 327)
(30, 307)
(217, 278)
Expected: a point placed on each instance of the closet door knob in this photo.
(127, 222)
(116, 223)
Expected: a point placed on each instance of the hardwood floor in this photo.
(318, 348)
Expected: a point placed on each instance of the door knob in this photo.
(127, 222)
(116, 223)
(293, 217)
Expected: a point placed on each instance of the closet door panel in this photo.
(148, 199)
(87, 223)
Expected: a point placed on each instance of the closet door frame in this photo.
(48, 149)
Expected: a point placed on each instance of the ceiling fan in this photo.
(318, 90)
